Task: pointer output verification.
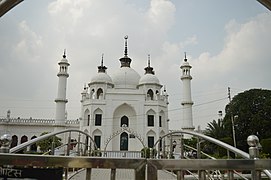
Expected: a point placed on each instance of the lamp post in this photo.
(233, 129)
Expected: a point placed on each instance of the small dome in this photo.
(125, 77)
(101, 78)
(149, 79)
(64, 60)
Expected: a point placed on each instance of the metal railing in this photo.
(138, 165)
(143, 167)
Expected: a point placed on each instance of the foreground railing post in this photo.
(253, 142)
(140, 172)
(202, 175)
(151, 153)
(79, 145)
(113, 174)
(180, 175)
(53, 146)
(69, 144)
(88, 174)
(230, 175)
(86, 147)
(151, 172)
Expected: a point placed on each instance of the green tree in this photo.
(46, 144)
(217, 130)
(252, 115)
(266, 147)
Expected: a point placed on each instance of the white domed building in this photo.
(124, 111)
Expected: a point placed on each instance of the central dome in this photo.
(101, 78)
(125, 77)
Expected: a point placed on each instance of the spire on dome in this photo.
(102, 62)
(185, 60)
(64, 55)
(126, 48)
(102, 68)
(125, 61)
(149, 69)
(149, 60)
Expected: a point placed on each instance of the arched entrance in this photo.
(124, 133)
(124, 141)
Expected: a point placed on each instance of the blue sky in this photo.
(227, 43)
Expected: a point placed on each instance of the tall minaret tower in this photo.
(187, 118)
(61, 93)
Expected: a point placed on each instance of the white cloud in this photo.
(161, 13)
(71, 10)
(30, 44)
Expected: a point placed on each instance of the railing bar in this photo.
(113, 174)
(88, 174)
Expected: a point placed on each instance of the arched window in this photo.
(33, 147)
(98, 119)
(92, 94)
(150, 94)
(124, 120)
(14, 141)
(124, 141)
(24, 139)
(99, 93)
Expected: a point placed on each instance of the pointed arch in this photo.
(151, 136)
(162, 119)
(86, 131)
(100, 93)
(92, 94)
(151, 111)
(151, 133)
(86, 120)
(121, 111)
(14, 141)
(121, 130)
(150, 94)
(124, 141)
(150, 118)
(98, 113)
(24, 138)
(124, 121)
(33, 147)
(161, 141)
(97, 134)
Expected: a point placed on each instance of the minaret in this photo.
(61, 93)
(187, 120)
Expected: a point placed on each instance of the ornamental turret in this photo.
(125, 61)
(187, 118)
(61, 93)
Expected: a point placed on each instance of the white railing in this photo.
(121, 154)
(34, 121)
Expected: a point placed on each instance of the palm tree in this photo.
(216, 129)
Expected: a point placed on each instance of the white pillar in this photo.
(187, 118)
(61, 93)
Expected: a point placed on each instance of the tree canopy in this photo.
(46, 144)
(251, 111)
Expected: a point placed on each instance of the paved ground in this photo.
(121, 174)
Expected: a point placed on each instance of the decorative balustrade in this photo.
(121, 154)
(35, 121)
